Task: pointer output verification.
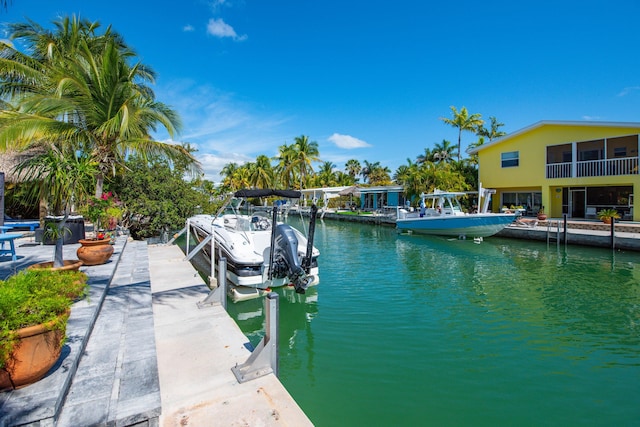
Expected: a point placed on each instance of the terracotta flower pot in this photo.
(94, 252)
(37, 351)
(68, 264)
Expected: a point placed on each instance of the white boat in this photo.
(441, 214)
(246, 241)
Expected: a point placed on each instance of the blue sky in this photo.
(369, 80)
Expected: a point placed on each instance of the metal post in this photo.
(212, 261)
(219, 294)
(613, 236)
(565, 229)
(265, 357)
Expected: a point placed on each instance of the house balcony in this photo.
(605, 167)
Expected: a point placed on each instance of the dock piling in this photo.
(265, 357)
(219, 294)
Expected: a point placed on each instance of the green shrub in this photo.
(32, 297)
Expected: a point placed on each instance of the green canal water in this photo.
(417, 330)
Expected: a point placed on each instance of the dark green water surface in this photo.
(416, 330)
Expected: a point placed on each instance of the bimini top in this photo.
(291, 194)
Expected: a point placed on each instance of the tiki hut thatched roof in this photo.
(9, 159)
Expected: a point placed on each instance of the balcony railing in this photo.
(607, 167)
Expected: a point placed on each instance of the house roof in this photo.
(552, 123)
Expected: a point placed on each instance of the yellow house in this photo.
(573, 168)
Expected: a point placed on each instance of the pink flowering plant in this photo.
(103, 211)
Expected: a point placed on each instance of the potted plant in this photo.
(34, 308)
(54, 232)
(541, 215)
(98, 210)
(57, 176)
(607, 215)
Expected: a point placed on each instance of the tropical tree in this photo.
(444, 152)
(325, 177)
(285, 169)
(465, 122)
(79, 89)
(353, 168)
(344, 179)
(157, 197)
(493, 132)
(261, 172)
(379, 175)
(306, 152)
(426, 157)
(410, 176)
(242, 177)
(60, 178)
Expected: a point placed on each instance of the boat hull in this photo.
(244, 254)
(474, 225)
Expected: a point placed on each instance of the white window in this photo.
(510, 159)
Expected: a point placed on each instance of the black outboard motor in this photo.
(285, 258)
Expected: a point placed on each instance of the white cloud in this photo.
(212, 164)
(222, 129)
(219, 28)
(188, 28)
(347, 142)
(627, 90)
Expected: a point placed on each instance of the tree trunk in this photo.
(58, 257)
(99, 185)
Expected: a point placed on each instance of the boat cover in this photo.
(291, 194)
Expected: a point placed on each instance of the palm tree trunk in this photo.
(99, 185)
(58, 257)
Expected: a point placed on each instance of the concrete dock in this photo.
(140, 352)
(197, 347)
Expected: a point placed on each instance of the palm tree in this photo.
(344, 179)
(426, 157)
(326, 176)
(464, 122)
(444, 152)
(79, 90)
(241, 177)
(285, 169)
(62, 177)
(493, 132)
(305, 152)
(379, 175)
(261, 172)
(367, 168)
(228, 170)
(353, 167)
(409, 176)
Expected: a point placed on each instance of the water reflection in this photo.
(555, 299)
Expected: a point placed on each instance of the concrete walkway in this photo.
(196, 349)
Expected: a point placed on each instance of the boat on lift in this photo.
(441, 213)
(260, 252)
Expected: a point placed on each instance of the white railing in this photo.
(624, 166)
(559, 170)
(607, 167)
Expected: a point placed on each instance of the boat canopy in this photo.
(291, 194)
